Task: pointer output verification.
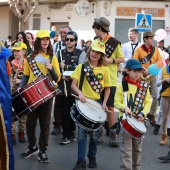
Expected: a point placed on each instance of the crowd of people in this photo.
(85, 70)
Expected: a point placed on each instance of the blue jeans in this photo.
(82, 142)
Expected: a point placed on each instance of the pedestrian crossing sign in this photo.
(143, 22)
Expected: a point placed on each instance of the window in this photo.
(36, 21)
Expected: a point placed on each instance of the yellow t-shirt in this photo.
(86, 88)
(118, 53)
(43, 69)
(119, 102)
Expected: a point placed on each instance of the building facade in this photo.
(121, 14)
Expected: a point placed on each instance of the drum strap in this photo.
(92, 79)
(139, 98)
(81, 77)
(33, 65)
(34, 68)
(164, 87)
(149, 56)
(111, 45)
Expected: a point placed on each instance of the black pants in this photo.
(42, 112)
(57, 112)
(68, 124)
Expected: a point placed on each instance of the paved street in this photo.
(65, 157)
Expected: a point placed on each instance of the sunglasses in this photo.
(71, 39)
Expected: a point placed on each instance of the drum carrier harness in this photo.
(137, 105)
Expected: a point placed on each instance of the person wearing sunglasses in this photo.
(68, 58)
(60, 45)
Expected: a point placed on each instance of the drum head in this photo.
(96, 114)
(139, 126)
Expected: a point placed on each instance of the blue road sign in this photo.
(143, 22)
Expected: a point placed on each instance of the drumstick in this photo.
(92, 104)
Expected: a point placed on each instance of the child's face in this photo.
(134, 74)
(20, 38)
(45, 43)
(19, 53)
(29, 38)
(149, 41)
(94, 55)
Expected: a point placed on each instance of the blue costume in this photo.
(6, 106)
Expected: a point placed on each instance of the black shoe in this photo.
(165, 158)
(21, 137)
(42, 157)
(56, 130)
(29, 152)
(13, 139)
(80, 165)
(64, 141)
(156, 129)
(92, 162)
(72, 137)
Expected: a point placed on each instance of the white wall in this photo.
(83, 25)
(4, 20)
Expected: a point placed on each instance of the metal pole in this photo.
(143, 12)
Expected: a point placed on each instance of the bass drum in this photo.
(88, 116)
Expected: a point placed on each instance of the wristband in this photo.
(113, 61)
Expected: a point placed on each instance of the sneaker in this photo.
(113, 139)
(80, 165)
(64, 141)
(165, 158)
(42, 157)
(56, 130)
(92, 162)
(29, 152)
(72, 137)
(13, 139)
(21, 137)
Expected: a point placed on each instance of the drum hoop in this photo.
(34, 83)
(129, 133)
(85, 115)
(79, 124)
(135, 127)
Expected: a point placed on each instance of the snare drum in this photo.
(32, 95)
(133, 127)
(19, 107)
(88, 116)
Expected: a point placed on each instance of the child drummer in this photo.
(17, 70)
(32, 70)
(133, 98)
(95, 73)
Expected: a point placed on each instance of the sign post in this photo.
(143, 23)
